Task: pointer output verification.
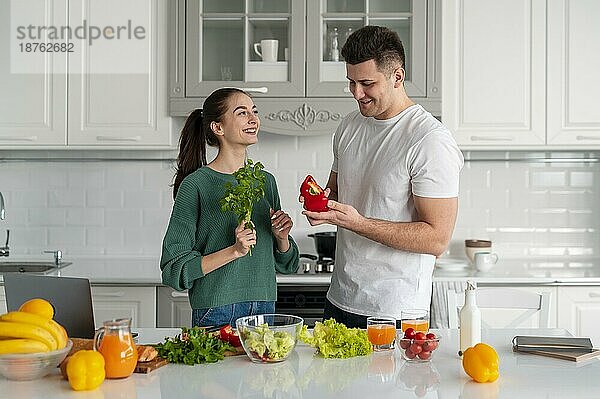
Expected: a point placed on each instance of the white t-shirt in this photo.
(380, 164)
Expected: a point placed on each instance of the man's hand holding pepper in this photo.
(339, 214)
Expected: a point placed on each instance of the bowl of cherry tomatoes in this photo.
(418, 346)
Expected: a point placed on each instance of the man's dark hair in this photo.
(375, 43)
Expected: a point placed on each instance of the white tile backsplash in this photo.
(122, 207)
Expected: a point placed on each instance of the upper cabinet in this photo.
(103, 86)
(33, 109)
(256, 45)
(521, 74)
(287, 54)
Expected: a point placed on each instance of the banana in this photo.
(63, 333)
(22, 345)
(10, 329)
(39, 321)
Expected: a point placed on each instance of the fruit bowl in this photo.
(30, 366)
(419, 349)
(269, 338)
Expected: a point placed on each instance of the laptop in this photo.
(71, 297)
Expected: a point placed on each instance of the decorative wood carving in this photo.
(304, 116)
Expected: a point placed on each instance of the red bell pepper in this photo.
(314, 196)
(228, 334)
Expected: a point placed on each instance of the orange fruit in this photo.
(38, 306)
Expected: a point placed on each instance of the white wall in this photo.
(121, 207)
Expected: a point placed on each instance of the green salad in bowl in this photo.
(269, 338)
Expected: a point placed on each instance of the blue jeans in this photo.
(228, 314)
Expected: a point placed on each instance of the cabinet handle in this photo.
(176, 294)
(116, 294)
(263, 90)
(18, 138)
(594, 295)
(492, 138)
(117, 138)
(587, 137)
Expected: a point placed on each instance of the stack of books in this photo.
(569, 348)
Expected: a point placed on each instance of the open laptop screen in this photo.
(71, 298)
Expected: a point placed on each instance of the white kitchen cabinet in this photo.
(494, 71)
(115, 92)
(521, 73)
(115, 302)
(33, 108)
(573, 79)
(173, 308)
(579, 311)
(119, 98)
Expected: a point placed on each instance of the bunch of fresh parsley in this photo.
(240, 198)
(193, 346)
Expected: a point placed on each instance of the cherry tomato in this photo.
(420, 337)
(404, 343)
(409, 354)
(416, 348)
(427, 346)
(409, 333)
(424, 355)
(430, 336)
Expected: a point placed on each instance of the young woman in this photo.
(205, 251)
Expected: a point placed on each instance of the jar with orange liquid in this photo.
(115, 342)
(417, 319)
(381, 332)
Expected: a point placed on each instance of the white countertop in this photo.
(380, 375)
(146, 271)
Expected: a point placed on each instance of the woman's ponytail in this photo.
(192, 148)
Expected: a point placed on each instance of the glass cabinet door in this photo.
(256, 45)
(330, 22)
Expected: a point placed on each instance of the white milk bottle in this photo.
(470, 320)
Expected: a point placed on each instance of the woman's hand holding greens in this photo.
(244, 239)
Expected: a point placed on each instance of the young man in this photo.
(393, 188)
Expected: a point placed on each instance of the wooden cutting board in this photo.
(146, 367)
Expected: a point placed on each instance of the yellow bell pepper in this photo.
(480, 362)
(85, 370)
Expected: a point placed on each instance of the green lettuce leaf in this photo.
(335, 340)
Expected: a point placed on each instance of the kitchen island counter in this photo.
(380, 375)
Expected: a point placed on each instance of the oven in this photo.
(302, 299)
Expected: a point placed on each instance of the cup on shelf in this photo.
(474, 246)
(268, 49)
(381, 332)
(226, 73)
(484, 261)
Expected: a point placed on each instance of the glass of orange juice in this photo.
(381, 332)
(418, 319)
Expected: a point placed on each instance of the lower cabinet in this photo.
(119, 301)
(174, 308)
(579, 311)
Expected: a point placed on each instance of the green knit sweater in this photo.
(198, 227)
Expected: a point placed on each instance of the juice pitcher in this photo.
(115, 342)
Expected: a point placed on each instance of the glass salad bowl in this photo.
(269, 338)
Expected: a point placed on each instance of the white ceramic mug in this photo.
(268, 49)
(484, 261)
